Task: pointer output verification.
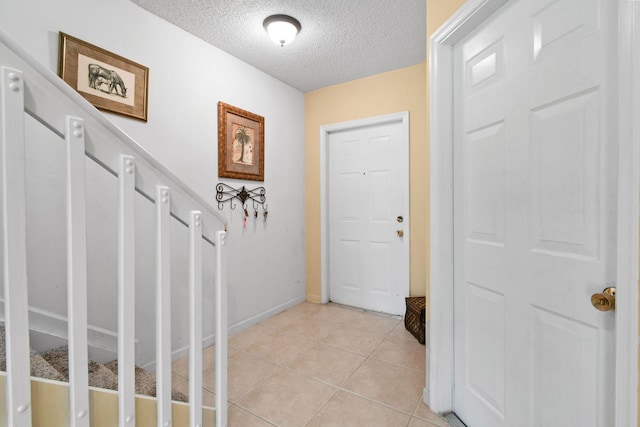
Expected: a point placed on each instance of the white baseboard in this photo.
(181, 352)
(247, 323)
(47, 327)
(427, 335)
(426, 393)
(426, 396)
(233, 329)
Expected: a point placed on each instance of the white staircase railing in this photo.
(28, 88)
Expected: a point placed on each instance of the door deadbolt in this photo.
(400, 218)
(605, 300)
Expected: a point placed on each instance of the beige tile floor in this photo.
(321, 365)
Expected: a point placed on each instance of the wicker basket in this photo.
(414, 317)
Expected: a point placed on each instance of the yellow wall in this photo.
(399, 90)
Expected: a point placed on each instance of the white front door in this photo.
(368, 209)
(535, 167)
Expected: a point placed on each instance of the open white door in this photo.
(537, 224)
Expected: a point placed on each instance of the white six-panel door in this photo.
(368, 196)
(535, 215)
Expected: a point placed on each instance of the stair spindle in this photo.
(77, 274)
(15, 249)
(126, 293)
(195, 320)
(163, 305)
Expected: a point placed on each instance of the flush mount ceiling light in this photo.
(282, 28)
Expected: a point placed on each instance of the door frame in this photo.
(440, 370)
(401, 117)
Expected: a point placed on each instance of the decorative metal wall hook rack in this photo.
(226, 193)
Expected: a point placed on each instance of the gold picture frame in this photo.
(240, 143)
(108, 81)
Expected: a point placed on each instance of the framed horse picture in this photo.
(108, 81)
(240, 143)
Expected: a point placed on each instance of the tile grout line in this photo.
(341, 387)
(322, 406)
(255, 415)
(260, 384)
(371, 356)
(368, 358)
(314, 343)
(391, 363)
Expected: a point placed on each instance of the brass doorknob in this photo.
(400, 232)
(606, 300)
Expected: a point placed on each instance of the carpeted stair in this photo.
(54, 365)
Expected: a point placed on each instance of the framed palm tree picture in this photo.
(240, 143)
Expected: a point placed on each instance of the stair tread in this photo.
(54, 365)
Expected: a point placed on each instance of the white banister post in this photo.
(195, 319)
(16, 296)
(126, 293)
(221, 329)
(163, 305)
(77, 274)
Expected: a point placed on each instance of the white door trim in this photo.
(439, 395)
(403, 118)
(628, 214)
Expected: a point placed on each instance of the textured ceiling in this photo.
(339, 41)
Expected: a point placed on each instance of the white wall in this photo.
(188, 77)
